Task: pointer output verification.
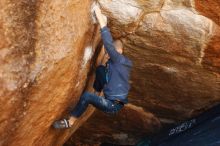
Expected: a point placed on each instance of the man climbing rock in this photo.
(116, 84)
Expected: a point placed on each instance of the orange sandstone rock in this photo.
(46, 49)
(175, 49)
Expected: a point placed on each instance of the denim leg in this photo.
(81, 106)
(104, 105)
(100, 103)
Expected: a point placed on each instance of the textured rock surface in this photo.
(175, 46)
(45, 53)
(211, 9)
(169, 43)
(131, 124)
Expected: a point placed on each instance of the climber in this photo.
(116, 80)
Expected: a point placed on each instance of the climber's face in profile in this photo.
(118, 46)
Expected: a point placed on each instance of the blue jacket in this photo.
(119, 68)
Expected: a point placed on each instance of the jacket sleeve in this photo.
(109, 46)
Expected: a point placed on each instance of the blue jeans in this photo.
(100, 103)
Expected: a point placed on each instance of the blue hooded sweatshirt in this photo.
(119, 68)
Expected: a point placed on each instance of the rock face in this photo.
(126, 127)
(175, 47)
(45, 55)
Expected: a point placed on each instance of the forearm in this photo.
(108, 43)
(106, 36)
(102, 22)
(101, 18)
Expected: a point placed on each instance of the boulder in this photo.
(45, 57)
(175, 47)
(48, 50)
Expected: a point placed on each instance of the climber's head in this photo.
(118, 46)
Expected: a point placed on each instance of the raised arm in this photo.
(109, 46)
(107, 37)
